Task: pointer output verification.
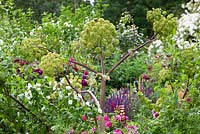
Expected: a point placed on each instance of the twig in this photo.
(85, 66)
(96, 102)
(186, 90)
(18, 102)
(75, 89)
(45, 48)
(129, 54)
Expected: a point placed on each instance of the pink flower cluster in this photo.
(108, 123)
(121, 117)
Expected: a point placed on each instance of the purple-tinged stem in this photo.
(129, 54)
(102, 94)
(85, 66)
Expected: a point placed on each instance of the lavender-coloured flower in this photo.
(121, 98)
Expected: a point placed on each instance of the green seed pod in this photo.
(97, 50)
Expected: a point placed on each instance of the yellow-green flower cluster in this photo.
(52, 64)
(165, 74)
(163, 24)
(75, 81)
(32, 49)
(98, 36)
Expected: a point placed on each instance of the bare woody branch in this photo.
(130, 52)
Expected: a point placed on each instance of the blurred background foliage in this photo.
(137, 8)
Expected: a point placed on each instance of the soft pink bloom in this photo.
(71, 59)
(118, 118)
(121, 118)
(108, 124)
(132, 130)
(84, 117)
(106, 118)
(98, 118)
(94, 129)
(72, 131)
(117, 131)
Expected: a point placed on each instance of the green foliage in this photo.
(32, 49)
(138, 9)
(128, 34)
(35, 103)
(163, 24)
(52, 64)
(99, 36)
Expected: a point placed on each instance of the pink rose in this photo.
(106, 118)
(117, 131)
(84, 117)
(108, 124)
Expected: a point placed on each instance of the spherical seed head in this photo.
(52, 64)
(32, 49)
(97, 35)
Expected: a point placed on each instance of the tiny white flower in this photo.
(68, 87)
(48, 97)
(70, 102)
(43, 108)
(1, 42)
(38, 84)
(40, 27)
(100, 110)
(29, 86)
(88, 103)
(53, 128)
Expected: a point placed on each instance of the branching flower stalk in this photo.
(93, 41)
(89, 92)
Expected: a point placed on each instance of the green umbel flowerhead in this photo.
(163, 24)
(32, 49)
(98, 36)
(52, 64)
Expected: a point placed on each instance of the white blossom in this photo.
(29, 86)
(88, 103)
(70, 102)
(1, 42)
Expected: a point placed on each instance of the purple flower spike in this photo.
(117, 99)
(39, 71)
(84, 82)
